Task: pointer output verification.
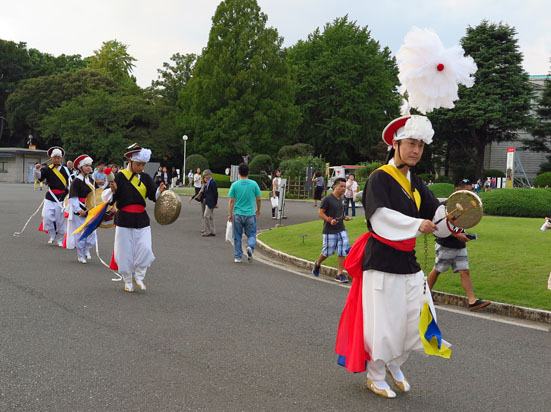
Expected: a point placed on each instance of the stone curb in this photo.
(521, 312)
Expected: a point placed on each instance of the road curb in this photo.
(504, 309)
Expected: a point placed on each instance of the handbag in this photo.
(275, 202)
(229, 232)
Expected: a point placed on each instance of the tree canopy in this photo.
(542, 129)
(497, 107)
(346, 90)
(239, 99)
(113, 60)
(173, 78)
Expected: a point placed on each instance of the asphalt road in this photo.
(217, 336)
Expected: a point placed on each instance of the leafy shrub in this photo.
(543, 180)
(195, 161)
(263, 181)
(223, 181)
(517, 202)
(297, 166)
(493, 173)
(443, 179)
(442, 189)
(296, 150)
(363, 172)
(260, 163)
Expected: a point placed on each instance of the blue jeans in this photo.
(347, 201)
(248, 225)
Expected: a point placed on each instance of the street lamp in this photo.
(184, 173)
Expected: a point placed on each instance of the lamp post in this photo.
(184, 173)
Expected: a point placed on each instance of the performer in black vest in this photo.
(133, 253)
(58, 179)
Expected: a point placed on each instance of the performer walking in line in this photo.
(81, 186)
(132, 252)
(58, 179)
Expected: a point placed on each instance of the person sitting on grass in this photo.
(452, 251)
(335, 236)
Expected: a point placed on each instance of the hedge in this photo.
(196, 161)
(223, 181)
(264, 181)
(260, 163)
(543, 180)
(442, 189)
(517, 202)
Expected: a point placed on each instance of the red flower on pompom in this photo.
(440, 67)
(107, 170)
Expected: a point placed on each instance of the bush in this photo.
(296, 150)
(517, 202)
(263, 181)
(543, 180)
(493, 173)
(365, 171)
(442, 189)
(443, 179)
(260, 163)
(223, 181)
(297, 166)
(194, 162)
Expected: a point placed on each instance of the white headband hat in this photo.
(87, 161)
(409, 127)
(56, 152)
(142, 156)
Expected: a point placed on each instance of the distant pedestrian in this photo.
(36, 176)
(114, 168)
(197, 181)
(276, 190)
(243, 209)
(174, 177)
(210, 194)
(335, 236)
(190, 178)
(99, 177)
(351, 189)
(319, 187)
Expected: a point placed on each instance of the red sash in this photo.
(350, 344)
(57, 191)
(134, 208)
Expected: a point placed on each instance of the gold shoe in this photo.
(385, 393)
(128, 287)
(404, 385)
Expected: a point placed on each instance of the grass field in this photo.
(510, 262)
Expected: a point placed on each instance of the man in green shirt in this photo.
(243, 209)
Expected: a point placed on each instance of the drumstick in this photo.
(458, 206)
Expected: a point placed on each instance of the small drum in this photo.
(94, 199)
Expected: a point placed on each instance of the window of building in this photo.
(3, 167)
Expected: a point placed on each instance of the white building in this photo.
(16, 164)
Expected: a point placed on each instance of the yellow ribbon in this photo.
(59, 175)
(135, 182)
(404, 182)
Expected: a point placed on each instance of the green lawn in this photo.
(510, 262)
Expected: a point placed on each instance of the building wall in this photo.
(18, 168)
(496, 153)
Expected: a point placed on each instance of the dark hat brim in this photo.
(51, 149)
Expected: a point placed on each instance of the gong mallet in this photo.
(458, 207)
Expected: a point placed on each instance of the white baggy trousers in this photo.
(133, 252)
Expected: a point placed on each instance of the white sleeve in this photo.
(158, 193)
(74, 203)
(393, 225)
(107, 195)
(443, 230)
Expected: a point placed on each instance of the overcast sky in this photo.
(155, 30)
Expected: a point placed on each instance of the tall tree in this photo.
(173, 78)
(32, 98)
(542, 129)
(114, 60)
(497, 107)
(346, 90)
(14, 66)
(240, 97)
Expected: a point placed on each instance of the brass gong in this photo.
(464, 209)
(167, 207)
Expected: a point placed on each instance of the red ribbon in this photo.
(134, 209)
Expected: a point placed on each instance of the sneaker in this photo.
(237, 260)
(341, 278)
(249, 254)
(316, 270)
(479, 304)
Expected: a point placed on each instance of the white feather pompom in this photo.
(431, 73)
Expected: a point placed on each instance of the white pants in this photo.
(54, 221)
(83, 246)
(391, 307)
(133, 252)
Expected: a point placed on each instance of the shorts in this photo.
(318, 192)
(446, 257)
(335, 242)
